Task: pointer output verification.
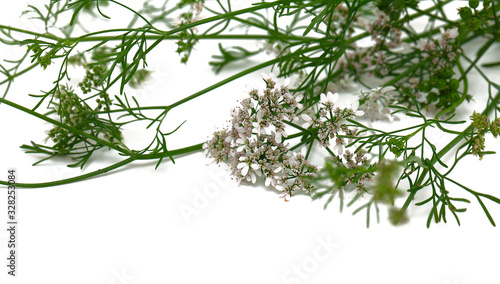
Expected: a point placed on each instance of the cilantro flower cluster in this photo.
(329, 121)
(376, 103)
(254, 144)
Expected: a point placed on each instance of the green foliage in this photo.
(229, 55)
(316, 42)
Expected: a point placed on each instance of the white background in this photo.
(131, 226)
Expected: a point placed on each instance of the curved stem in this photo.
(177, 152)
(490, 107)
(47, 36)
(238, 75)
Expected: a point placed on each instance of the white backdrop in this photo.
(188, 222)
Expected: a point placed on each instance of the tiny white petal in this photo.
(453, 32)
(277, 170)
(244, 171)
(255, 166)
(339, 148)
(299, 98)
(287, 82)
(254, 178)
(355, 105)
(387, 89)
(359, 113)
(323, 98)
(241, 165)
(305, 117)
(278, 137)
(334, 97)
(260, 114)
(303, 151)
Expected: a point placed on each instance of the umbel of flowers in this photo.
(256, 143)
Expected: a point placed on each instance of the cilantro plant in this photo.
(318, 50)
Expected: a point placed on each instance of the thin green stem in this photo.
(490, 107)
(62, 125)
(47, 36)
(238, 75)
(173, 153)
(11, 77)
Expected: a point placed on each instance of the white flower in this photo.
(251, 177)
(270, 181)
(339, 148)
(354, 107)
(362, 22)
(257, 125)
(241, 142)
(299, 98)
(346, 82)
(287, 82)
(245, 168)
(271, 76)
(424, 45)
(307, 119)
(329, 98)
(280, 188)
(383, 90)
(449, 33)
(205, 148)
(241, 130)
(278, 135)
(453, 33)
(303, 152)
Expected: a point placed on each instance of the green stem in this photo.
(239, 75)
(225, 81)
(177, 152)
(175, 37)
(444, 151)
(47, 36)
(11, 77)
(62, 125)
